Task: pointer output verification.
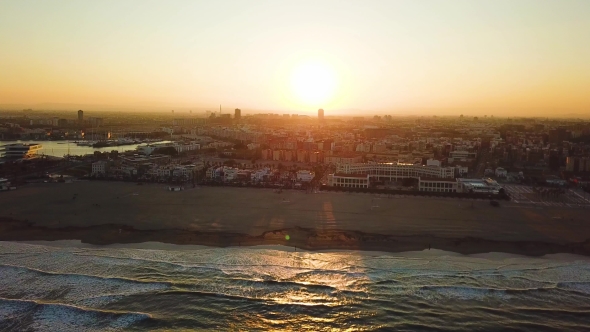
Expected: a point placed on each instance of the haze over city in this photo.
(504, 58)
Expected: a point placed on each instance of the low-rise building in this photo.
(501, 172)
(100, 167)
(260, 174)
(348, 180)
(437, 185)
(433, 162)
(482, 186)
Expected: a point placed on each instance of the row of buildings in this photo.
(266, 174)
(155, 168)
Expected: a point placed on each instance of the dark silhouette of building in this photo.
(321, 114)
(237, 114)
(80, 117)
(557, 136)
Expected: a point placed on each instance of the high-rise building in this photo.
(80, 117)
(237, 114)
(321, 114)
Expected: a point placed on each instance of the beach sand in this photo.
(111, 212)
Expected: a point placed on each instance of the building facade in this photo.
(396, 171)
(20, 150)
(437, 185)
(100, 167)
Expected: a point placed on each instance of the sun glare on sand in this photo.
(313, 83)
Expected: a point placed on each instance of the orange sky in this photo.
(502, 57)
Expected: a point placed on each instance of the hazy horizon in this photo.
(501, 58)
(196, 111)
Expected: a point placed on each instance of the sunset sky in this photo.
(500, 57)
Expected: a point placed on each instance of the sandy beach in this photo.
(110, 212)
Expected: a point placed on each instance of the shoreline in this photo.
(309, 239)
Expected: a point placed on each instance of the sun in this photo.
(313, 83)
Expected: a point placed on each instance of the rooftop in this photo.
(344, 175)
(437, 179)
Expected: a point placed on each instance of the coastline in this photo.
(300, 238)
(102, 213)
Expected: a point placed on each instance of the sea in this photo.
(75, 287)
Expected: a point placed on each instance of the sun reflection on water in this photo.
(320, 285)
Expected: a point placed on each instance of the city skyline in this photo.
(503, 58)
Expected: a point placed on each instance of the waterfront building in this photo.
(437, 185)
(20, 150)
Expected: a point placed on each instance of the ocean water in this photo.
(66, 288)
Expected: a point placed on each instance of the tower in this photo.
(80, 117)
(237, 114)
(321, 114)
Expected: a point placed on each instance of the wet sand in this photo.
(109, 212)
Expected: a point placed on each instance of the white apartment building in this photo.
(100, 167)
(225, 173)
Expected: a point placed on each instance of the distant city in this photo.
(459, 154)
